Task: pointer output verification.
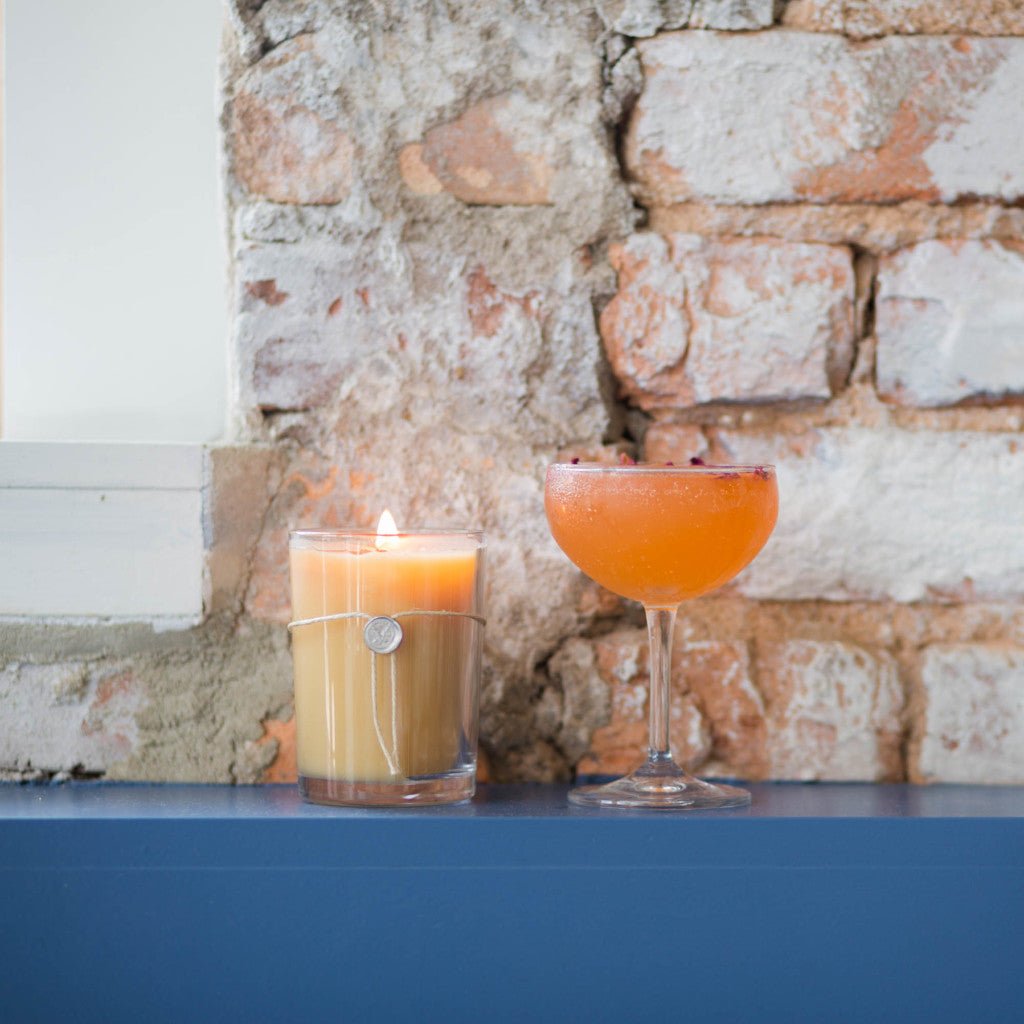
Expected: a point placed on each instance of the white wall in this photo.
(115, 323)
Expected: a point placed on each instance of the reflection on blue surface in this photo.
(770, 800)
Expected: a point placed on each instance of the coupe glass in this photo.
(660, 535)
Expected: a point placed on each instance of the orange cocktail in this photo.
(661, 535)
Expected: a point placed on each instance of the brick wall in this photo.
(829, 277)
(467, 243)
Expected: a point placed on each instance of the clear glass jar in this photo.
(386, 638)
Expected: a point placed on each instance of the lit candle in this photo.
(386, 646)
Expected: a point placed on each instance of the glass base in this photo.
(660, 787)
(446, 789)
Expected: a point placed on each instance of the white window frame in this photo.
(95, 532)
(103, 532)
(116, 309)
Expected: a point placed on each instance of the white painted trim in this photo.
(85, 464)
(101, 532)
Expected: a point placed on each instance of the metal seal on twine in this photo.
(383, 635)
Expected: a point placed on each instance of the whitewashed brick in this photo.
(879, 17)
(642, 18)
(734, 15)
(950, 322)
(971, 726)
(801, 116)
(833, 711)
(427, 343)
(887, 514)
(89, 717)
(698, 321)
(288, 134)
(320, 324)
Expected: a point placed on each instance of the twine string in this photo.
(338, 616)
(390, 756)
(394, 715)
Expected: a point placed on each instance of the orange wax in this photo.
(661, 535)
(344, 729)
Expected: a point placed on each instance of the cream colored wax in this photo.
(414, 726)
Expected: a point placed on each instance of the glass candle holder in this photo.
(386, 639)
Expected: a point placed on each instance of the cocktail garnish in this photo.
(576, 461)
(696, 460)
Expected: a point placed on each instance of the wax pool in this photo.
(381, 718)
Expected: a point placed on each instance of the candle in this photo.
(386, 638)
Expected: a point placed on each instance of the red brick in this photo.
(283, 767)
(816, 709)
(494, 154)
(621, 744)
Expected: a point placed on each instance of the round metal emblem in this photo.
(382, 634)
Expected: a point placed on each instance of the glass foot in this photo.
(660, 787)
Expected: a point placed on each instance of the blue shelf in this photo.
(820, 903)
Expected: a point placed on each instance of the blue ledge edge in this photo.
(821, 902)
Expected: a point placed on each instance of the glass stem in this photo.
(660, 627)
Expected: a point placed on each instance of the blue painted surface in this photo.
(821, 903)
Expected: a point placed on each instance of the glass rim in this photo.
(660, 467)
(340, 533)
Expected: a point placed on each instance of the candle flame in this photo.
(387, 530)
